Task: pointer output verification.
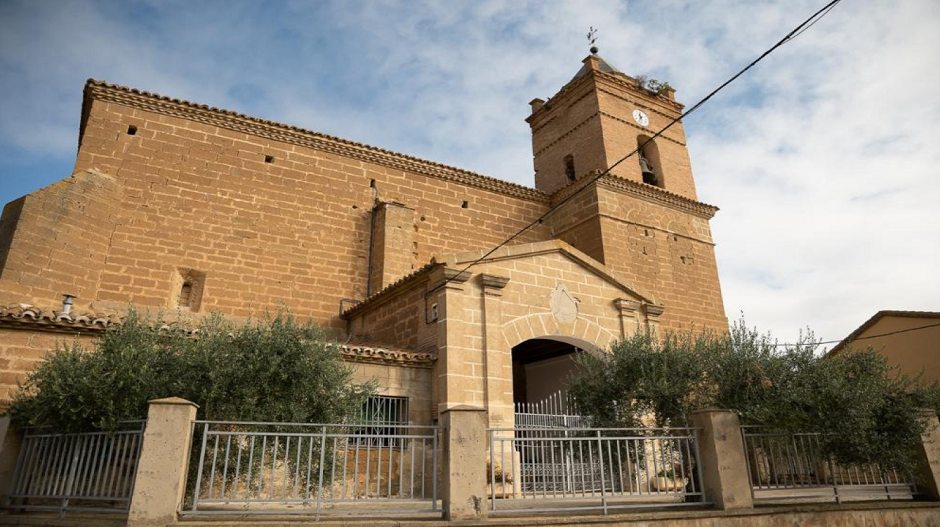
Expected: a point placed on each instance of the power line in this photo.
(791, 35)
(862, 338)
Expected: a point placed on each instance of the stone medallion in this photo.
(564, 305)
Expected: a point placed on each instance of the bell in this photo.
(649, 177)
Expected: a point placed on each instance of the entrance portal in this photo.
(540, 369)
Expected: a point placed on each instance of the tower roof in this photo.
(602, 65)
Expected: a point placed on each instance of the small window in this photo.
(268, 159)
(189, 287)
(131, 130)
(382, 417)
(186, 294)
(569, 168)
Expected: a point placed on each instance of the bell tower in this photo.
(642, 220)
(600, 116)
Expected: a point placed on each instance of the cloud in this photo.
(823, 158)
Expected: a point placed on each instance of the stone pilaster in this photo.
(653, 312)
(497, 357)
(629, 314)
(451, 385)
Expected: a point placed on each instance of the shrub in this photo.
(868, 411)
(273, 369)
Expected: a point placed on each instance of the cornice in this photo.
(379, 355)
(622, 80)
(29, 317)
(101, 91)
(650, 97)
(658, 195)
(640, 190)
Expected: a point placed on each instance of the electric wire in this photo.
(791, 35)
(820, 343)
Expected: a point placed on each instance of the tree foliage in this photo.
(276, 369)
(868, 410)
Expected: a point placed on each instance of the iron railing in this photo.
(90, 471)
(592, 468)
(278, 468)
(794, 467)
(558, 410)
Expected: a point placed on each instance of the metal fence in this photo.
(793, 467)
(278, 468)
(93, 471)
(592, 468)
(558, 410)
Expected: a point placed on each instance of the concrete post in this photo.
(724, 467)
(464, 462)
(10, 442)
(161, 472)
(928, 459)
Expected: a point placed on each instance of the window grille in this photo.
(382, 415)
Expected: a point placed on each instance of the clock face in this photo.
(641, 118)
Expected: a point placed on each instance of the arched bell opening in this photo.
(648, 157)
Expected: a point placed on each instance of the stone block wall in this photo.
(670, 252)
(264, 216)
(21, 351)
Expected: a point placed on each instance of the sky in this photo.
(823, 159)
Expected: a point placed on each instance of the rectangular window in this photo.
(382, 417)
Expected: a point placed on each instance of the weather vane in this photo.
(592, 38)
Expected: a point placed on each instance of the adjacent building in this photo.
(910, 340)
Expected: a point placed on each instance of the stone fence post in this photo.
(161, 472)
(464, 471)
(10, 441)
(928, 458)
(724, 466)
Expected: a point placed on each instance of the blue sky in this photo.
(823, 159)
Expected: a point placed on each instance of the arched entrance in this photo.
(541, 368)
(542, 371)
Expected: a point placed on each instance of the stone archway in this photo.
(582, 333)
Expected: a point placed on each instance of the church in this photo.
(179, 207)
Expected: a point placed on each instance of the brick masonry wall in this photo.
(669, 252)
(621, 136)
(21, 351)
(397, 322)
(398, 381)
(572, 127)
(192, 196)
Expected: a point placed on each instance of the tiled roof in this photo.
(391, 288)
(875, 318)
(27, 316)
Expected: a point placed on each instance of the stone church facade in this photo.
(188, 209)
